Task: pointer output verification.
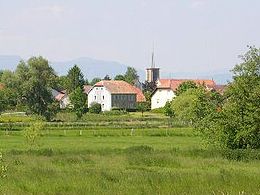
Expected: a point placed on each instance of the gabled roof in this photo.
(174, 83)
(121, 87)
(60, 95)
(87, 88)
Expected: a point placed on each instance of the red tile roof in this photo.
(174, 83)
(60, 96)
(121, 87)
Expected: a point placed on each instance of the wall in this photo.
(102, 96)
(126, 101)
(160, 97)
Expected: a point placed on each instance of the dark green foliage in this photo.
(37, 78)
(107, 78)
(149, 86)
(95, 108)
(185, 86)
(131, 76)
(75, 79)
(94, 81)
(78, 100)
(8, 99)
(119, 77)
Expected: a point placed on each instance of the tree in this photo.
(36, 88)
(236, 125)
(185, 86)
(75, 79)
(9, 79)
(149, 86)
(119, 77)
(142, 107)
(95, 80)
(168, 111)
(95, 108)
(8, 98)
(107, 78)
(1, 73)
(131, 76)
(78, 100)
(192, 105)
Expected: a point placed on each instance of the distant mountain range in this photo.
(100, 68)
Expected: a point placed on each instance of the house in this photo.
(87, 88)
(62, 97)
(166, 89)
(115, 94)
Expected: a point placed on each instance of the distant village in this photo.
(119, 94)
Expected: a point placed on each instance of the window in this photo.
(95, 97)
(97, 88)
(157, 101)
(103, 97)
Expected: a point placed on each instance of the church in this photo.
(166, 88)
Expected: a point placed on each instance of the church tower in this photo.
(152, 73)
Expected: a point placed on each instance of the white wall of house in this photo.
(65, 102)
(102, 96)
(160, 97)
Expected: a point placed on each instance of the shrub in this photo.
(95, 108)
(32, 133)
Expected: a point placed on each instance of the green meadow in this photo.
(121, 154)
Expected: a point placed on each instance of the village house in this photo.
(166, 89)
(115, 94)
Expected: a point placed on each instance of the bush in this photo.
(33, 132)
(95, 108)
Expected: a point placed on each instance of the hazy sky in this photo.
(189, 35)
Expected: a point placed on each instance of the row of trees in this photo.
(229, 120)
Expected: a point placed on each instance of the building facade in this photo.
(115, 94)
(166, 89)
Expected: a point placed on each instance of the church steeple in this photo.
(153, 73)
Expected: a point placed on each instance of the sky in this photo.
(187, 35)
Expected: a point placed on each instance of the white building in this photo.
(63, 98)
(166, 89)
(115, 94)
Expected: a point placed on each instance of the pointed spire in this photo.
(153, 61)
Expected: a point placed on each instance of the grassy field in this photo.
(101, 154)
